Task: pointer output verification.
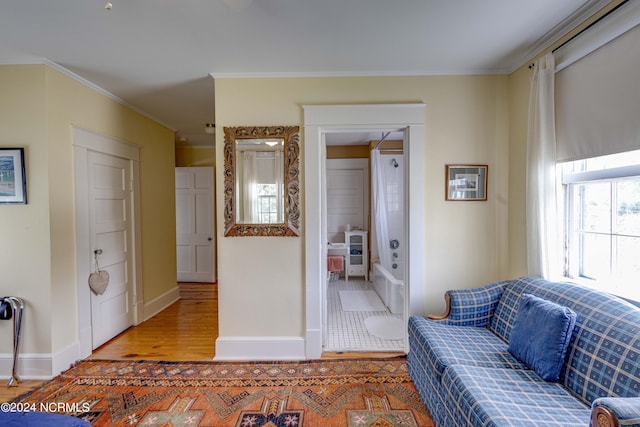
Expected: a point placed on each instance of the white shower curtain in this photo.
(380, 220)
(543, 250)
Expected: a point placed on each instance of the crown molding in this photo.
(565, 27)
(85, 82)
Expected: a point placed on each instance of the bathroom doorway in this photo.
(364, 293)
(319, 122)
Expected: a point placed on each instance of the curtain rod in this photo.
(586, 28)
(592, 24)
(384, 136)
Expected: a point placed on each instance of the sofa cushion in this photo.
(475, 306)
(603, 358)
(444, 345)
(507, 397)
(540, 335)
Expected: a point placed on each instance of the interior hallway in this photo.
(184, 331)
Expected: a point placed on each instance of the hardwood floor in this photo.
(185, 331)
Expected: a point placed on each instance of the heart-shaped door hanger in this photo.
(98, 280)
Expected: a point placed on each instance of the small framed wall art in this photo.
(466, 182)
(13, 185)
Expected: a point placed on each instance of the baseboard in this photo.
(40, 366)
(65, 358)
(260, 348)
(314, 344)
(31, 366)
(158, 304)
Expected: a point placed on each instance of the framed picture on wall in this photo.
(13, 185)
(466, 182)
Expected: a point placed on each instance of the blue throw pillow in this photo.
(540, 335)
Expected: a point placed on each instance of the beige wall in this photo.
(25, 252)
(38, 240)
(262, 279)
(195, 156)
(518, 112)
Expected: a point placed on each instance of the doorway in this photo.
(364, 300)
(195, 248)
(321, 121)
(107, 236)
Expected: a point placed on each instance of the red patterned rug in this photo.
(328, 393)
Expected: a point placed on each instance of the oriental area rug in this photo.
(328, 393)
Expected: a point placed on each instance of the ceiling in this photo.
(159, 56)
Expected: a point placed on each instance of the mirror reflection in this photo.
(260, 181)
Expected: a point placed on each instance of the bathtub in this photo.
(389, 288)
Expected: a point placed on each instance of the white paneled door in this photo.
(347, 196)
(110, 222)
(194, 224)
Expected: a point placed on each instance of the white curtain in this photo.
(278, 176)
(250, 187)
(543, 253)
(380, 220)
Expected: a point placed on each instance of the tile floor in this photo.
(346, 330)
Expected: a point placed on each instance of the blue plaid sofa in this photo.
(467, 377)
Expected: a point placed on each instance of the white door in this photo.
(347, 196)
(110, 223)
(195, 250)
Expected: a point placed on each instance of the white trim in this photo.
(41, 366)
(95, 141)
(560, 30)
(65, 358)
(321, 119)
(85, 82)
(614, 25)
(84, 141)
(31, 366)
(83, 260)
(415, 217)
(102, 91)
(361, 73)
(260, 348)
(161, 302)
(138, 296)
(621, 172)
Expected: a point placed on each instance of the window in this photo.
(268, 212)
(602, 227)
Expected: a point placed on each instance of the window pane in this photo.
(628, 267)
(596, 206)
(628, 207)
(628, 259)
(596, 256)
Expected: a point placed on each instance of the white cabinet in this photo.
(357, 254)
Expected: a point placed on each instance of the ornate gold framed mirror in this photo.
(261, 181)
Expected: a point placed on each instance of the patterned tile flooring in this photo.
(346, 330)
